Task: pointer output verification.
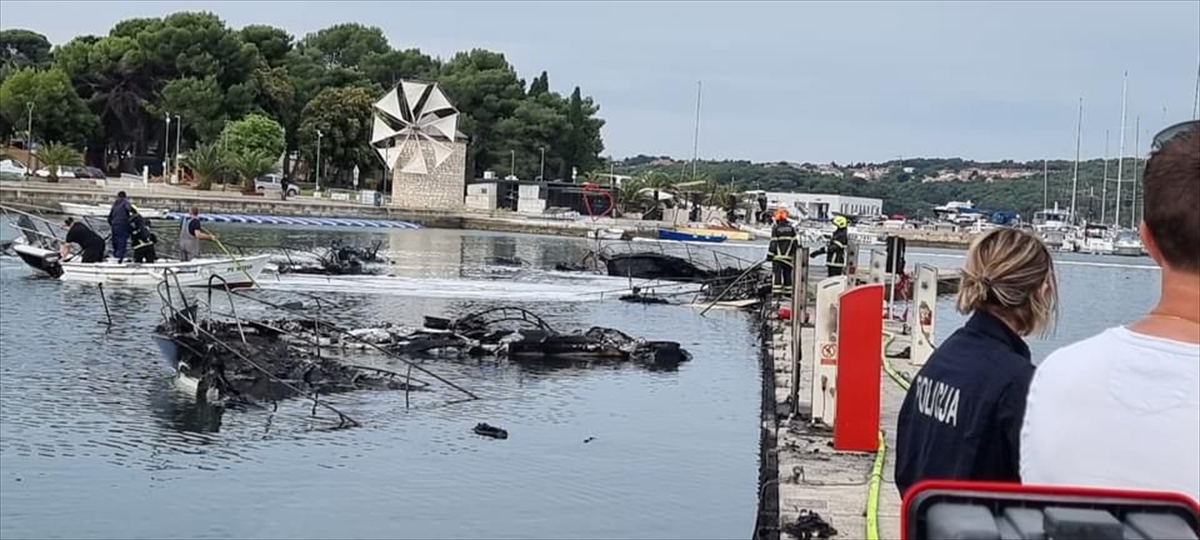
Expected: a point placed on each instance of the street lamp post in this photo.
(318, 188)
(29, 138)
(167, 147)
(178, 146)
(512, 168)
(542, 171)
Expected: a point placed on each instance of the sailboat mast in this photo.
(1121, 151)
(696, 135)
(1137, 150)
(1045, 184)
(1196, 99)
(1075, 174)
(1104, 185)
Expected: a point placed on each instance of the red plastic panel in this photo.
(860, 344)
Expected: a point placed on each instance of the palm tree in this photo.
(632, 196)
(207, 162)
(55, 155)
(250, 165)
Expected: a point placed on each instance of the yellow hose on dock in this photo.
(872, 532)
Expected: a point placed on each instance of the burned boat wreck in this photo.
(337, 260)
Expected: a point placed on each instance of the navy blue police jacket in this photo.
(961, 418)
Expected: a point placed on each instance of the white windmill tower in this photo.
(416, 124)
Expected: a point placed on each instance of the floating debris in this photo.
(338, 260)
(488, 430)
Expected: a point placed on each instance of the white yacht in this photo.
(1095, 239)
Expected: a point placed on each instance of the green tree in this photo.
(388, 68)
(273, 44)
(346, 45)
(59, 113)
(254, 134)
(53, 156)
(540, 85)
(207, 162)
(198, 104)
(486, 90)
(21, 48)
(537, 123)
(580, 142)
(343, 116)
(112, 75)
(249, 165)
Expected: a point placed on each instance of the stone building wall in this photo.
(442, 188)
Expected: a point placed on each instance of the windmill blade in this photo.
(436, 101)
(380, 131)
(447, 127)
(416, 163)
(390, 105)
(412, 96)
(441, 152)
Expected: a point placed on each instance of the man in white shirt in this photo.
(1122, 409)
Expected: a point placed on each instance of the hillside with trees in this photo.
(111, 95)
(912, 187)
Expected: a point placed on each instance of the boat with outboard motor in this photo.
(38, 247)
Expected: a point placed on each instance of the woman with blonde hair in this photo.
(961, 419)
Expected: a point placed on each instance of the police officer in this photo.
(782, 254)
(961, 418)
(835, 249)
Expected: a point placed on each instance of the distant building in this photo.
(822, 206)
(535, 198)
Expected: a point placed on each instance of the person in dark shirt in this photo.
(142, 237)
(90, 243)
(961, 418)
(118, 221)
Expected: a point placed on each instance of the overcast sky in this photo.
(788, 81)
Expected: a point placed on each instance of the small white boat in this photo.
(1128, 244)
(220, 272)
(100, 210)
(608, 234)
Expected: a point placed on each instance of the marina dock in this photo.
(852, 492)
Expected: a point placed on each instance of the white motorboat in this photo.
(235, 273)
(1094, 239)
(1128, 244)
(100, 210)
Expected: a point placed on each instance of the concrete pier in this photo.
(802, 471)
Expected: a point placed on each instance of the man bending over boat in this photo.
(90, 243)
(190, 235)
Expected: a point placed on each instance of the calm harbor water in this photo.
(95, 441)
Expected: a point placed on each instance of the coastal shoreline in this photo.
(176, 199)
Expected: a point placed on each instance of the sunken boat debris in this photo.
(337, 260)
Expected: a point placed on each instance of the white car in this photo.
(271, 182)
(64, 172)
(12, 167)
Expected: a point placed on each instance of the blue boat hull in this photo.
(668, 234)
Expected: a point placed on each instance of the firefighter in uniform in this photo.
(835, 250)
(782, 254)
